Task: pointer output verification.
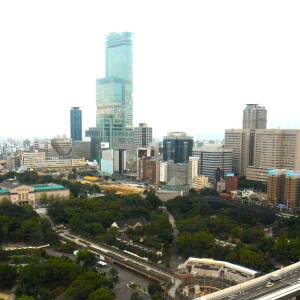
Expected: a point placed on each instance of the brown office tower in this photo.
(292, 189)
(149, 171)
(276, 187)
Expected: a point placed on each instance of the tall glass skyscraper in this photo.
(114, 94)
(76, 123)
(119, 55)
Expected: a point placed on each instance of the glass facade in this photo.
(119, 55)
(177, 147)
(114, 93)
(76, 124)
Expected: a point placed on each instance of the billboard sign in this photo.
(104, 145)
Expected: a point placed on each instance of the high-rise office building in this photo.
(113, 161)
(76, 124)
(277, 148)
(240, 141)
(214, 161)
(149, 170)
(274, 149)
(255, 117)
(193, 170)
(142, 136)
(177, 146)
(114, 92)
(283, 187)
(114, 98)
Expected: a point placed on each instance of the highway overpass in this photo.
(287, 286)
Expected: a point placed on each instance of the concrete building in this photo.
(240, 141)
(58, 147)
(177, 177)
(81, 149)
(163, 171)
(210, 268)
(257, 174)
(200, 182)
(220, 186)
(178, 147)
(113, 161)
(76, 124)
(170, 170)
(10, 161)
(277, 149)
(274, 149)
(193, 170)
(142, 136)
(33, 160)
(214, 161)
(179, 172)
(231, 182)
(37, 160)
(292, 189)
(254, 117)
(22, 194)
(149, 171)
(283, 188)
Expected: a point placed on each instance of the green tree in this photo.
(87, 258)
(85, 284)
(8, 276)
(102, 294)
(25, 298)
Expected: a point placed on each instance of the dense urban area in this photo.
(119, 215)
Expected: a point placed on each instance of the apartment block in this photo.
(283, 188)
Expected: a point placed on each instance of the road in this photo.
(258, 289)
(173, 224)
(136, 264)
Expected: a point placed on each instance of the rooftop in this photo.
(6, 186)
(49, 186)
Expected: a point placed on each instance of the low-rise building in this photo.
(37, 160)
(231, 182)
(208, 267)
(23, 194)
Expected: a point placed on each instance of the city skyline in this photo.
(54, 65)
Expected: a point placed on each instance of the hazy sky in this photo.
(196, 63)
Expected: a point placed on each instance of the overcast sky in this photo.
(196, 63)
